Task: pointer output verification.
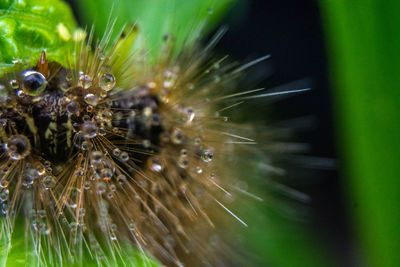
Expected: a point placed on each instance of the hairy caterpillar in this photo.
(104, 151)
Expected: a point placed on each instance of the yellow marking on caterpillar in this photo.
(32, 127)
(68, 126)
(49, 135)
(4, 136)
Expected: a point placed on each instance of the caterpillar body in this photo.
(105, 152)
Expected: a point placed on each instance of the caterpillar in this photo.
(103, 152)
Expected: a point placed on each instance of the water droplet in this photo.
(198, 170)
(3, 183)
(189, 114)
(42, 213)
(86, 118)
(21, 93)
(85, 81)
(116, 152)
(91, 99)
(96, 158)
(106, 174)
(4, 194)
(121, 179)
(146, 143)
(131, 226)
(151, 85)
(82, 212)
(207, 156)
(156, 164)
(170, 78)
(103, 94)
(73, 226)
(190, 86)
(4, 208)
(113, 187)
(210, 10)
(164, 95)
(167, 84)
(49, 182)
(86, 145)
(47, 164)
(18, 147)
(14, 84)
(3, 122)
(29, 176)
(73, 107)
(183, 162)
(113, 237)
(86, 185)
(33, 82)
(124, 156)
(107, 82)
(197, 141)
(106, 115)
(102, 131)
(184, 152)
(89, 129)
(40, 169)
(177, 136)
(101, 188)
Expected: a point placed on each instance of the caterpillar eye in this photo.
(33, 82)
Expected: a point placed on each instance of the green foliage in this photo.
(276, 235)
(364, 48)
(28, 27)
(181, 20)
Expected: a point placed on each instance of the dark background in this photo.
(291, 32)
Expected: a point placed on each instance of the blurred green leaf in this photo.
(155, 19)
(28, 27)
(279, 233)
(364, 50)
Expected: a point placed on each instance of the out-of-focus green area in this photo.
(363, 44)
(29, 27)
(156, 20)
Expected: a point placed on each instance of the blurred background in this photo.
(292, 33)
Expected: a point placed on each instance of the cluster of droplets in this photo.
(141, 142)
(38, 219)
(94, 91)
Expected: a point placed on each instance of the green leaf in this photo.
(275, 235)
(28, 27)
(364, 50)
(155, 19)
